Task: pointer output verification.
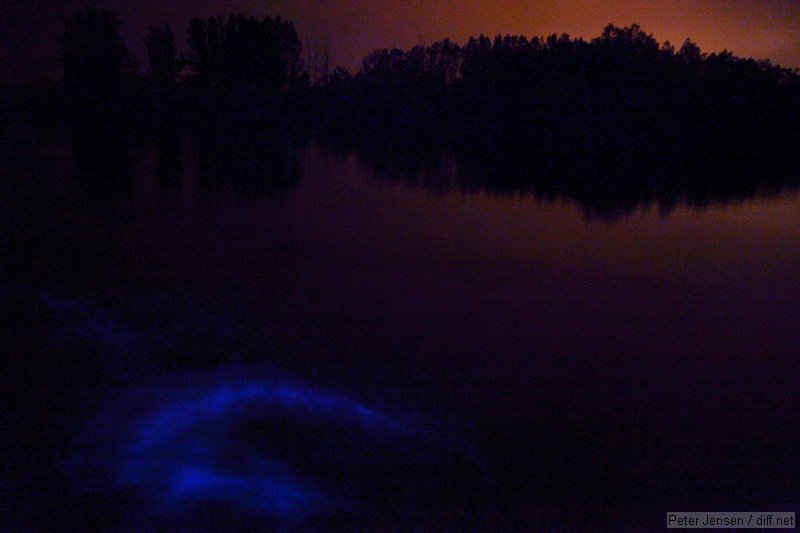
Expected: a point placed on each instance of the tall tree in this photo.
(92, 51)
(244, 51)
(161, 53)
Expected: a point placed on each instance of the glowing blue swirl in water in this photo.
(265, 448)
(175, 418)
(175, 452)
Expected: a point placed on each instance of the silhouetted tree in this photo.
(246, 52)
(161, 53)
(443, 62)
(92, 51)
(690, 53)
(339, 80)
(101, 92)
(319, 57)
(619, 97)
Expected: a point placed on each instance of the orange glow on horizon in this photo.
(764, 29)
(748, 28)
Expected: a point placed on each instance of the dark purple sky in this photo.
(29, 29)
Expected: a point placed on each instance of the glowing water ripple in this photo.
(244, 437)
(175, 418)
(174, 453)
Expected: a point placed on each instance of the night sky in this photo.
(749, 28)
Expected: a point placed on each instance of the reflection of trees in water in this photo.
(169, 160)
(252, 162)
(611, 123)
(104, 167)
(605, 187)
(431, 168)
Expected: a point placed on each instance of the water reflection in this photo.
(269, 448)
(170, 158)
(556, 364)
(244, 439)
(605, 187)
(258, 162)
(253, 162)
(104, 166)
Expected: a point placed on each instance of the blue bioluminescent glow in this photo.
(243, 437)
(175, 453)
(271, 494)
(175, 418)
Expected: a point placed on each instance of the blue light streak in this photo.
(175, 452)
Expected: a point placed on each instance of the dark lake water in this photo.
(362, 348)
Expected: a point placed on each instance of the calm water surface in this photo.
(543, 369)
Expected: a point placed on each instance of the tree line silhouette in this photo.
(619, 91)
(617, 112)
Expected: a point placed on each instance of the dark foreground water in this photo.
(349, 348)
